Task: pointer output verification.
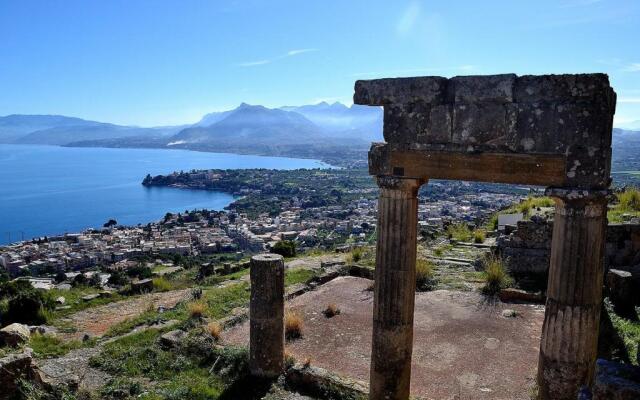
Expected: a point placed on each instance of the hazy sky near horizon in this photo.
(157, 62)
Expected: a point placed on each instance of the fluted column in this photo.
(394, 290)
(574, 294)
(266, 316)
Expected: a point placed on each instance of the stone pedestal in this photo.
(395, 284)
(574, 295)
(266, 314)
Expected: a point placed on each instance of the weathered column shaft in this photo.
(266, 314)
(395, 285)
(574, 294)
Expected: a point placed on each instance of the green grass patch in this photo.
(48, 346)
(293, 276)
(627, 206)
(73, 299)
(628, 330)
(459, 232)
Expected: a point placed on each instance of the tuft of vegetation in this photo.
(627, 329)
(356, 255)
(495, 276)
(162, 285)
(286, 248)
(459, 232)
(627, 207)
(197, 309)
(331, 311)
(425, 275)
(479, 236)
(293, 325)
(215, 330)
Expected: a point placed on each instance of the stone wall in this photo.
(526, 250)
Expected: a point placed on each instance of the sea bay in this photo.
(49, 190)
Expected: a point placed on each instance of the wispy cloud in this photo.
(290, 53)
(631, 100)
(299, 51)
(633, 67)
(396, 72)
(408, 18)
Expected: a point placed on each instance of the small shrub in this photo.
(197, 309)
(286, 248)
(629, 199)
(293, 325)
(356, 254)
(479, 236)
(495, 276)
(424, 275)
(331, 311)
(289, 359)
(215, 330)
(459, 232)
(307, 362)
(161, 285)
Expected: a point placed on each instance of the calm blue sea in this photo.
(48, 190)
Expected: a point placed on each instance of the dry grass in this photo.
(293, 325)
(425, 276)
(495, 276)
(215, 330)
(197, 309)
(307, 362)
(331, 311)
(479, 236)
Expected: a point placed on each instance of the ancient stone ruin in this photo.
(551, 130)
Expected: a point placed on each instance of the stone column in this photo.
(394, 291)
(569, 340)
(266, 315)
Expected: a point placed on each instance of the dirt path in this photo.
(96, 321)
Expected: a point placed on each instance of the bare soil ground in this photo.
(96, 321)
(463, 347)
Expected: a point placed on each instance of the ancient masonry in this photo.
(552, 130)
(266, 314)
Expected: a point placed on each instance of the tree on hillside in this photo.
(110, 223)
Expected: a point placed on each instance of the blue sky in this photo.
(157, 62)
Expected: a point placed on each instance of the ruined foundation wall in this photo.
(527, 249)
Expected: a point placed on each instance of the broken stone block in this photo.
(616, 381)
(14, 334)
(172, 339)
(427, 89)
(553, 88)
(479, 124)
(142, 286)
(620, 287)
(406, 123)
(15, 367)
(489, 89)
(516, 295)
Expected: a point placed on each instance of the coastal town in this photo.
(246, 227)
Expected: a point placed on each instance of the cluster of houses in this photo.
(204, 232)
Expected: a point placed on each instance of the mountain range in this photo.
(246, 124)
(331, 132)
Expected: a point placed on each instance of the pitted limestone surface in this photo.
(569, 116)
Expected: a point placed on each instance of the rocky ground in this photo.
(465, 346)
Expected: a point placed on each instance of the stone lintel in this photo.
(532, 169)
(559, 115)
